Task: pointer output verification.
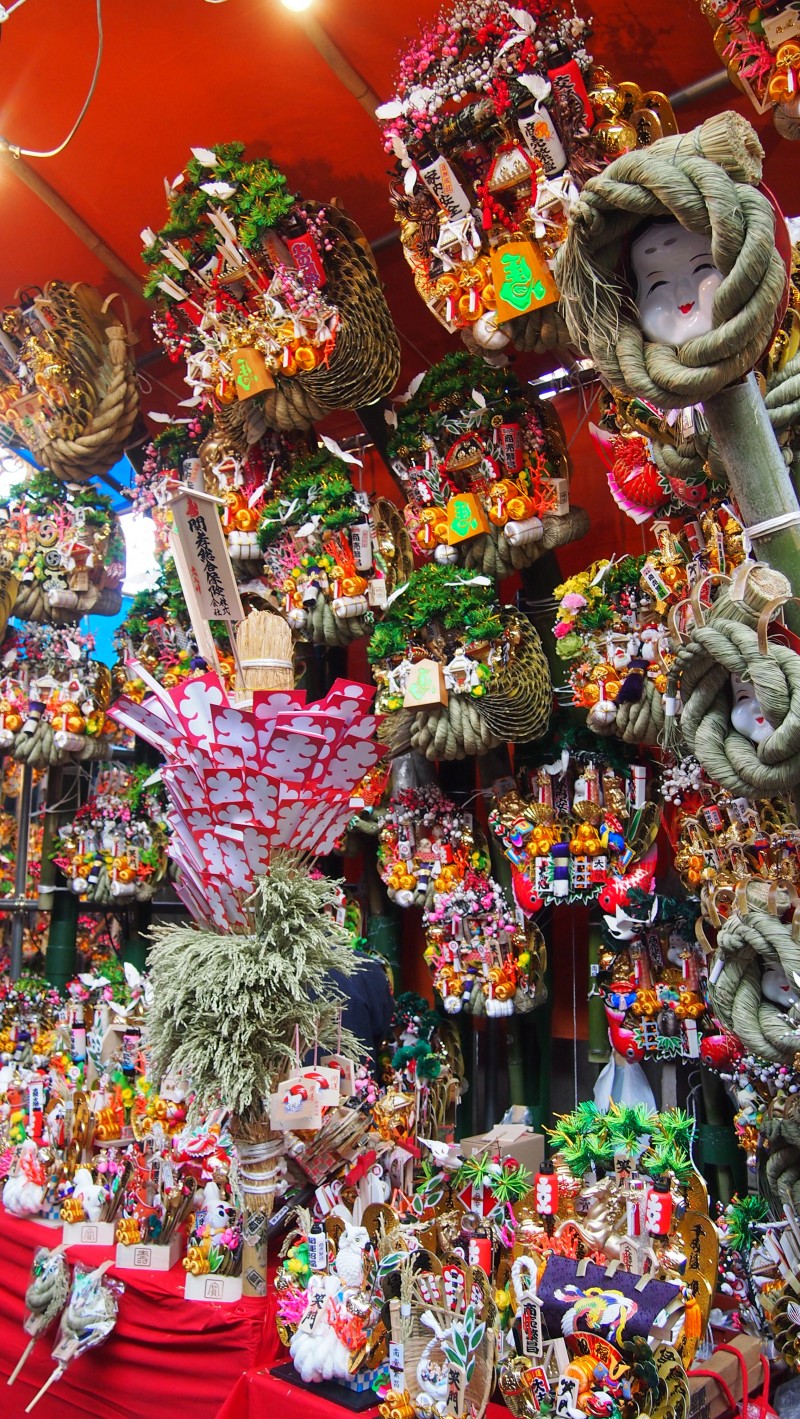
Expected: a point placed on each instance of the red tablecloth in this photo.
(167, 1357)
(258, 1394)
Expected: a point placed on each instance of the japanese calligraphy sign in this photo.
(199, 532)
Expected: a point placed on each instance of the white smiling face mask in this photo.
(675, 282)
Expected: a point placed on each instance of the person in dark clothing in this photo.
(370, 1005)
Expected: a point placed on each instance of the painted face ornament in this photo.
(675, 283)
(747, 716)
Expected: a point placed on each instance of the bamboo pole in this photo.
(72, 219)
(341, 66)
(759, 478)
(21, 869)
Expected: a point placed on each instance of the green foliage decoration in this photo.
(226, 1006)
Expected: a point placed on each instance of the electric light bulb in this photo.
(297, 5)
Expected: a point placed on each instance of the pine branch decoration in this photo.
(226, 1007)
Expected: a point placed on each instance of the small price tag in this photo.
(376, 592)
(397, 1365)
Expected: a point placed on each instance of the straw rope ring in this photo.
(733, 641)
(675, 178)
(705, 665)
(749, 942)
(101, 444)
(494, 555)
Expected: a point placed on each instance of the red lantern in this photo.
(658, 1213)
(546, 1188)
(480, 1250)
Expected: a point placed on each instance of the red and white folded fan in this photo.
(243, 781)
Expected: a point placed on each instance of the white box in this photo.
(213, 1288)
(146, 1256)
(89, 1234)
(560, 487)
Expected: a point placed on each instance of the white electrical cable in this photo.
(18, 152)
(6, 11)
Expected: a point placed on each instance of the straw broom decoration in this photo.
(228, 1009)
(266, 662)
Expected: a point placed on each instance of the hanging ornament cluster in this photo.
(115, 848)
(760, 48)
(611, 630)
(422, 832)
(484, 466)
(620, 623)
(323, 557)
(68, 387)
(64, 547)
(171, 456)
(579, 833)
(656, 464)
(204, 453)
(53, 697)
(482, 960)
(498, 118)
(652, 978)
(456, 673)
(8, 857)
(270, 300)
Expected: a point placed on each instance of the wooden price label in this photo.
(522, 279)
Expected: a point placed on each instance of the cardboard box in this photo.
(88, 1234)
(707, 1399)
(509, 1140)
(213, 1288)
(148, 1257)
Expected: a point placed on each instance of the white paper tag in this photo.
(397, 1365)
(442, 182)
(346, 1071)
(780, 28)
(376, 592)
(295, 1104)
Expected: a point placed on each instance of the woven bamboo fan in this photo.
(71, 395)
(445, 1334)
(296, 323)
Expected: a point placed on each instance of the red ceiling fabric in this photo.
(188, 72)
